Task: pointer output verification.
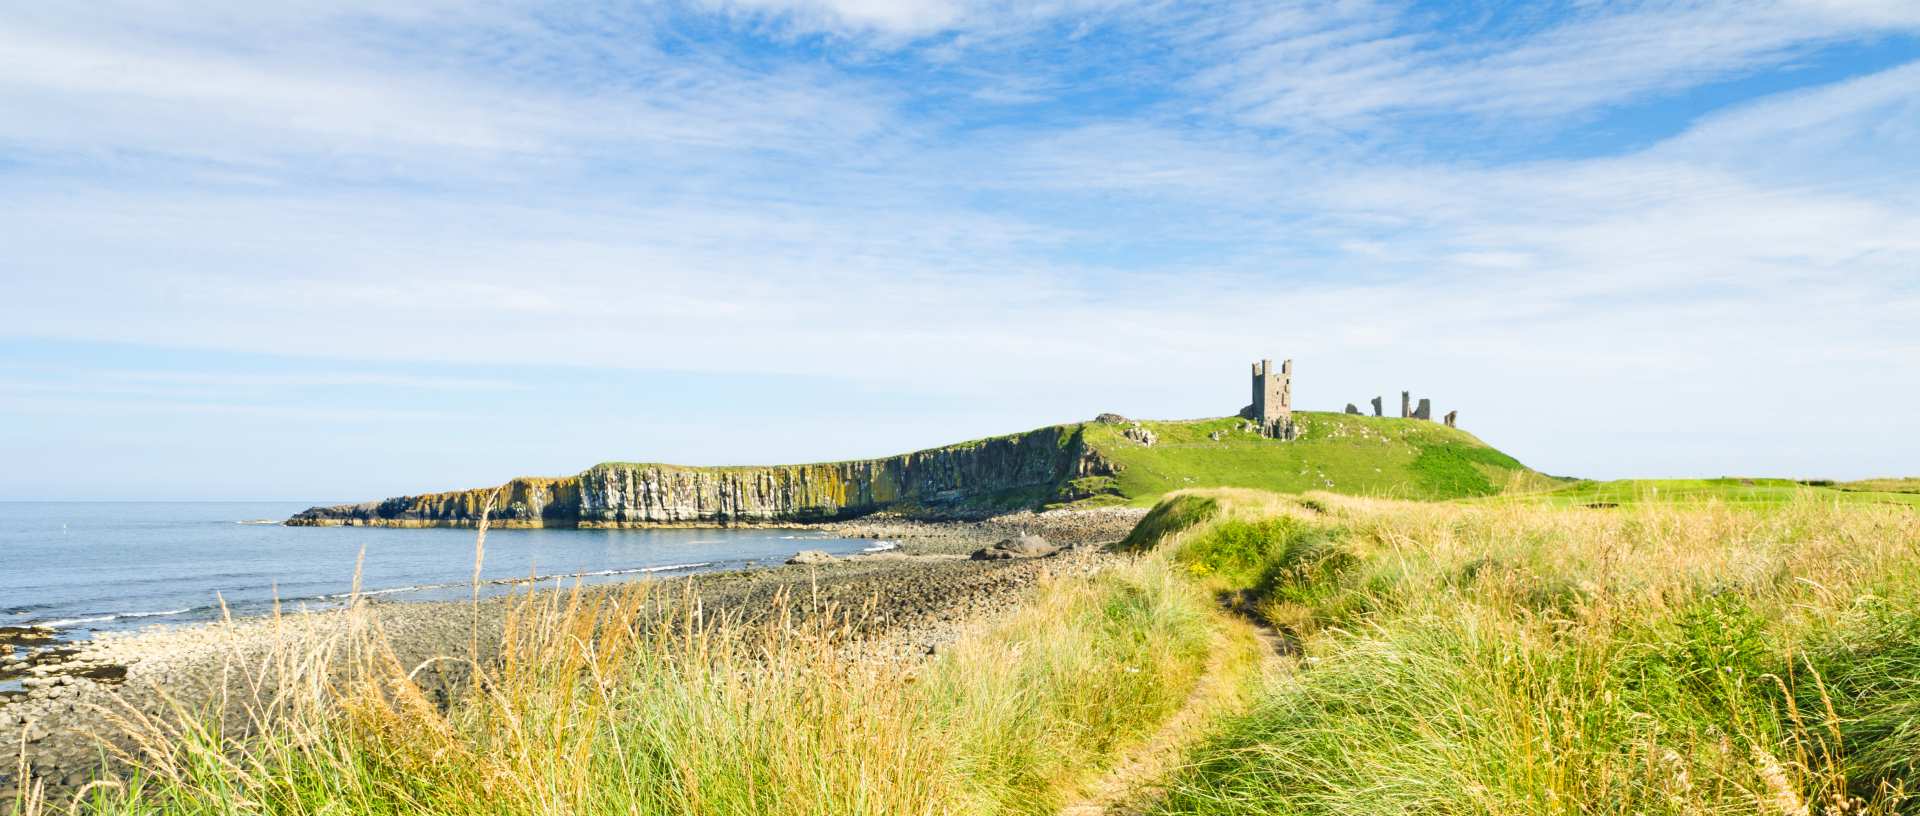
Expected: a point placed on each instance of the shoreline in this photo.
(915, 597)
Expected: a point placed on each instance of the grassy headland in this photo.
(1336, 453)
(1087, 464)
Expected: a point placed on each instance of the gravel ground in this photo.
(914, 600)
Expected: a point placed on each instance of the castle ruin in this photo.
(1410, 410)
(1273, 399)
(1271, 412)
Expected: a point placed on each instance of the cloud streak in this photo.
(818, 191)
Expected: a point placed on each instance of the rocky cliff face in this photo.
(973, 478)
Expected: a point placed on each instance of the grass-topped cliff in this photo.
(1075, 465)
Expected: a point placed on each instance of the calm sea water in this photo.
(90, 566)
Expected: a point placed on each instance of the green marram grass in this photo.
(1694, 656)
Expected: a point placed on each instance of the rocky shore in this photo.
(904, 603)
(1064, 528)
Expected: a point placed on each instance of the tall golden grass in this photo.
(624, 701)
(1508, 657)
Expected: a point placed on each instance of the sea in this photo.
(86, 567)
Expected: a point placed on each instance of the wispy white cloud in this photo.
(894, 17)
(339, 95)
(1344, 64)
(691, 211)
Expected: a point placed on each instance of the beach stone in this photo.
(1025, 546)
(811, 557)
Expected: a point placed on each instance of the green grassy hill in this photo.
(1340, 453)
(1729, 490)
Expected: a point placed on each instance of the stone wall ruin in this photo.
(1273, 399)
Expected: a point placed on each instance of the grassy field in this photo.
(1911, 485)
(1690, 657)
(1339, 453)
(1727, 491)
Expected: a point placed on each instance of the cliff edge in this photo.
(1111, 460)
(970, 479)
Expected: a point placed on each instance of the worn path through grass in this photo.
(1244, 654)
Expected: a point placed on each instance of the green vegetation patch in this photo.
(1910, 485)
(1171, 517)
(1340, 453)
(1453, 469)
(1726, 490)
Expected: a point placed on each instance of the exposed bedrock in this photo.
(970, 479)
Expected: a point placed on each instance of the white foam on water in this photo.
(626, 571)
(883, 546)
(56, 624)
(390, 590)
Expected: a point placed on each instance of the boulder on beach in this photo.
(1024, 546)
(811, 557)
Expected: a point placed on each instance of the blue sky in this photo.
(331, 251)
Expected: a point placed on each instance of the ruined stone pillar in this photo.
(1406, 404)
(1351, 409)
(1451, 417)
(1376, 407)
(1425, 411)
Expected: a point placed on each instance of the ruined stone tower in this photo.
(1273, 399)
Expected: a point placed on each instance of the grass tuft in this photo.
(1684, 657)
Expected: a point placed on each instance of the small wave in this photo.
(675, 567)
(604, 573)
(883, 546)
(64, 622)
(258, 521)
(366, 593)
